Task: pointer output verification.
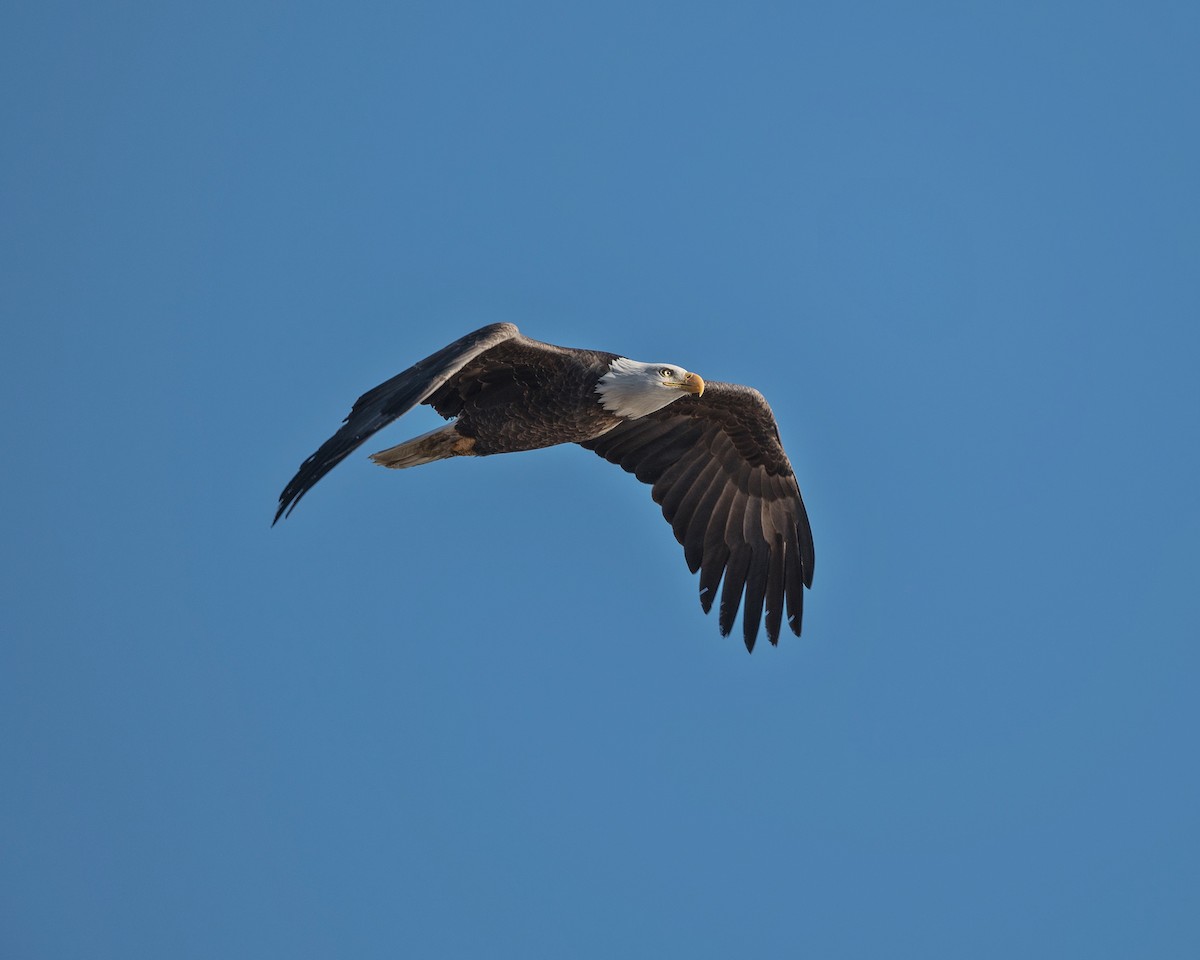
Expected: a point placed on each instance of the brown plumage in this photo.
(711, 452)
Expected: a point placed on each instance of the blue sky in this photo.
(475, 709)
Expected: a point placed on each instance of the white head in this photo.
(631, 389)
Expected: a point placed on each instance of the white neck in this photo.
(632, 389)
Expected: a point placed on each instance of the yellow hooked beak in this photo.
(693, 383)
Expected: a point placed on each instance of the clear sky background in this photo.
(474, 710)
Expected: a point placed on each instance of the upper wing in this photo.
(377, 408)
(726, 487)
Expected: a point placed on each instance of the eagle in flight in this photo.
(710, 451)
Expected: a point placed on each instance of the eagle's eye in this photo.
(667, 372)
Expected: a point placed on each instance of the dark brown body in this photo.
(521, 398)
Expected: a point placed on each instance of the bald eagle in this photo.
(710, 450)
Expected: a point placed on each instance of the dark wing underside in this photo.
(725, 485)
(377, 408)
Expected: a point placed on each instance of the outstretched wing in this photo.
(726, 487)
(377, 408)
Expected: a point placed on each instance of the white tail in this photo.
(436, 445)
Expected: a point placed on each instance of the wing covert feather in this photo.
(393, 398)
(718, 470)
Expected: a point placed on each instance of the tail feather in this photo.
(436, 445)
